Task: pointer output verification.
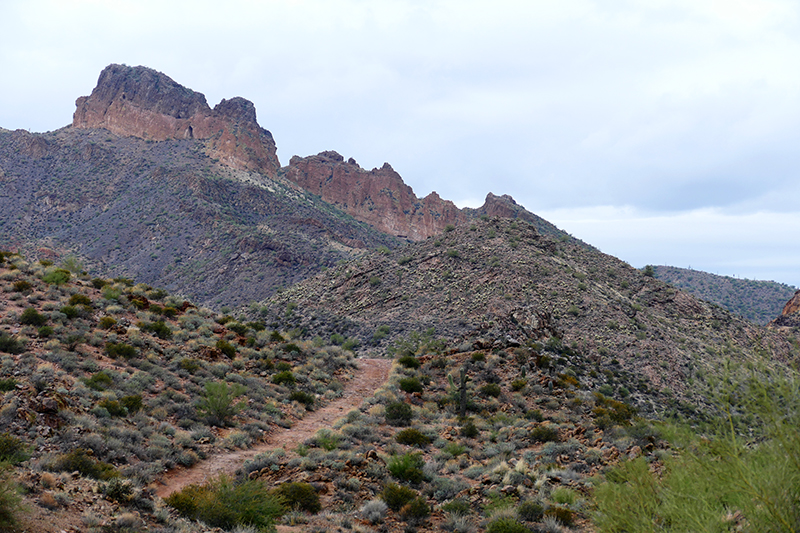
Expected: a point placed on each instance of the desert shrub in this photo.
(327, 439)
(99, 283)
(284, 377)
(478, 357)
(32, 317)
(237, 327)
(113, 407)
(158, 328)
(10, 502)
(79, 299)
(398, 414)
(227, 349)
(276, 337)
(609, 412)
(58, 276)
(69, 311)
(518, 384)
(303, 398)
(22, 286)
(189, 364)
(79, 460)
(410, 385)
(530, 511)
(562, 514)
(396, 496)
(132, 403)
(407, 467)
(415, 511)
(412, 437)
(221, 503)
(534, 414)
(544, 434)
(120, 349)
(99, 381)
(507, 525)
(564, 496)
(469, 430)
(455, 449)
(45, 331)
(491, 389)
(107, 322)
(217, 405)
(374, 511)
(7, 384)
(12, 449)
(299, 496)
(118, 489)
(9, 344)
(409, 361)
(459, 506)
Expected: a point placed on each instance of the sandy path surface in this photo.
(371, 374)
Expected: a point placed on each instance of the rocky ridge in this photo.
(144, 103)
(790, 316)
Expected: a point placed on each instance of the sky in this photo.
(661, 132)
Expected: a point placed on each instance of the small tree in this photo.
(218, 404)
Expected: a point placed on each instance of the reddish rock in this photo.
(790, 316)
(378, 197)
(792, 306)
(144, 103)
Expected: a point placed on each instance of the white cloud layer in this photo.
(671, 107)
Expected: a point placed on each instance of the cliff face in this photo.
(378, 197)
(144, 103)
(790, 316)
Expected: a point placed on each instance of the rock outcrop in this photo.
(144, 103)
(378, 197)
(790, 316)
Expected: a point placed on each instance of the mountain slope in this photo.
(500, 283)
(759, 301)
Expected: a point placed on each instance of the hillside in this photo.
(500, 283)
(758, 301)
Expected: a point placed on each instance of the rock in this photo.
(144, 103)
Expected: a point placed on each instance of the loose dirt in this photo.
(372, 373)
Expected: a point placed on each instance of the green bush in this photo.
(189, 364)
(507, 525)
(9, 344)
(107, 322)
(99, 381)
(45, 331)
(132, 403)
(299, 497)
(398, 414)
(396, 496)
(113, 407)
(409, 361)
(284, 378)
(218, 403)
(562, 514)
(518, 384)
(7, 384)
(120, 349)
(415, 511)
(10, 502)
(70, 311)
(410, 385)
(32, 317)
(22, 286)
(303, 398)
(79, 460)
(227, 349)
(237, 327)
(530, 511)
(80, 299)
(221, 503)
(609, 412)
(118, 490)
(491, 389)
(158, 328)
(58, 276)
(412, 437)
(544, 434)
(12, 449)
(407, 467)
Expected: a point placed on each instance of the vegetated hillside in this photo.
(500, 283)
(166, 214)
(759, 301)
(122, 382)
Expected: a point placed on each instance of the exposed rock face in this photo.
(144, 103)
(378, 197)
(790, 316)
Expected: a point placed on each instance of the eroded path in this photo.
(371, 374)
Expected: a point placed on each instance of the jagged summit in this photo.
(144, 103)
(790, 316)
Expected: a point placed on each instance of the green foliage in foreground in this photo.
(225, 504)
(9, 501)
(746, 475)
(218, 404)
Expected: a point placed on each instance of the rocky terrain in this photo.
(499, 282)
(790, 315)
(758, 301)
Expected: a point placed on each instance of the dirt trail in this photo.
(371, 374)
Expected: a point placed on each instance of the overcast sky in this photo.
(662, 132)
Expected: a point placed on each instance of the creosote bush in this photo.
(398, 414)
(32, 317)
(299, 497)
(121, 349)
(412, 437)
(407, 467)
(409, 361)
(396, 496)
(218, 403)
(410, 385)
(79, 460)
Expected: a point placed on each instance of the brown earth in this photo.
(374, 373)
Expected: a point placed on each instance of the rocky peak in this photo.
(790, 316)
(144, 103)
(792, 307)
(378, 197)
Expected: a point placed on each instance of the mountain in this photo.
(380, 198)
(790, 314)
(758, 301)
(499, 283)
